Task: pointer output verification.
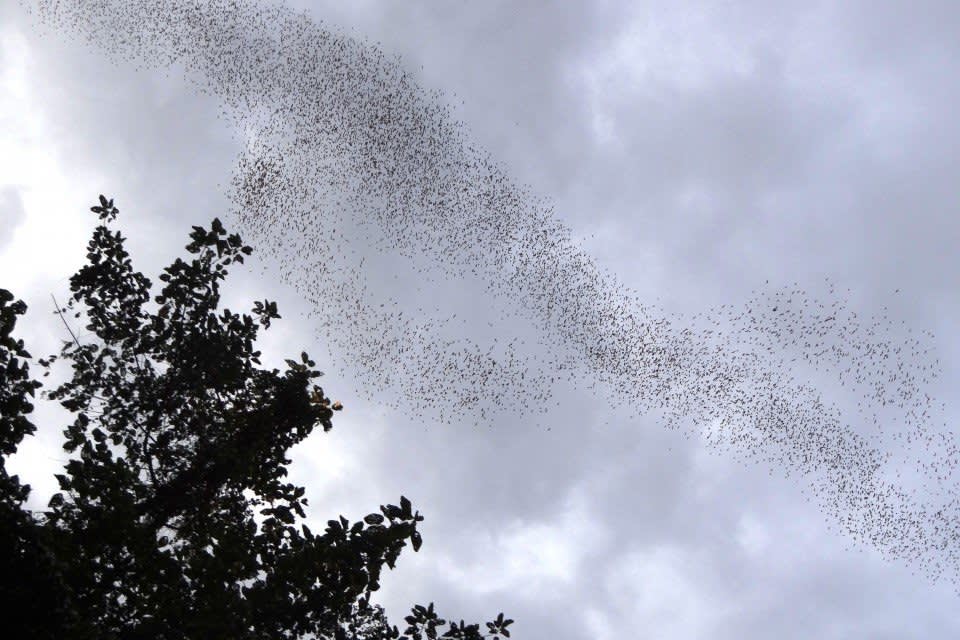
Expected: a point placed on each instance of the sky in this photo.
(707, 159)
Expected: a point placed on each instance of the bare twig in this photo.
(64, 320)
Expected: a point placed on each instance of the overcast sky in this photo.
(695, 154)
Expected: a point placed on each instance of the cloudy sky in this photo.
(698, 154)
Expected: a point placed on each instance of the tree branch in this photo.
(64, 320)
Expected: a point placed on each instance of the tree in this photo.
(174, 518)
(28, 582)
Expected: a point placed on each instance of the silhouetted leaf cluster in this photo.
(29, 582)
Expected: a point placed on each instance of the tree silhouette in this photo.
(174, 518)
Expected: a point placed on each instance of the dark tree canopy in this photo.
(174, 517)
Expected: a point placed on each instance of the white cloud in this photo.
(539, 558)
(53, 195)
(11, 213)
(661, 590)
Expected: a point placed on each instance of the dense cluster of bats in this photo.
(379, 209)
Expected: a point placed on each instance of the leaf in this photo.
(416, 540)
(391, 511)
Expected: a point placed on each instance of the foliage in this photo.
(29, 585)
(174, 517)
